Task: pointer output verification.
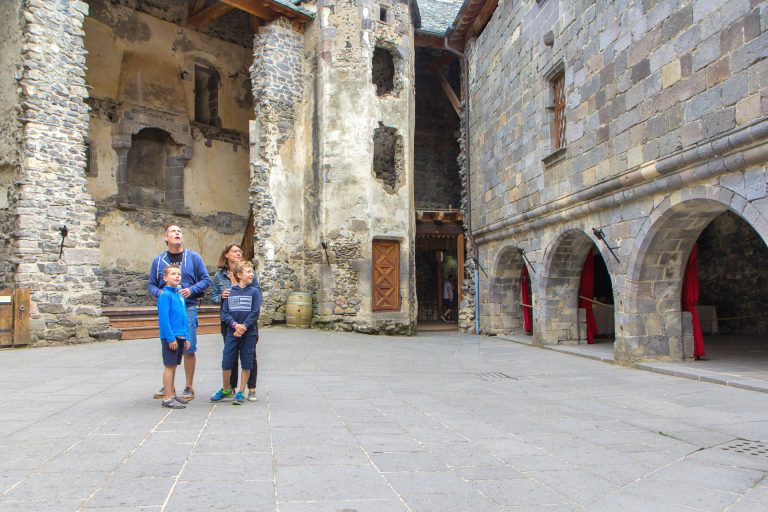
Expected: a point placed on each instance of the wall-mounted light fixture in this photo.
(324, 245)
(521, 252)
(64, 232)
(601, 236)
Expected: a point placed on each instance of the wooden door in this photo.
(386, 275)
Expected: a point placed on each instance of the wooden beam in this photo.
(428, 41)
(267, 10)
(195, 6)
(442, 61)
(200, 18)
(482, 18)
(449, 91)
(252, 8)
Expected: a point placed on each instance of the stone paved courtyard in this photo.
(439, 422)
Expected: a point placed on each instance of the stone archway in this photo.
(557, 307)
(502, 311)
(649, 316)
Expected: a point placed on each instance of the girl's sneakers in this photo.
(252, 397)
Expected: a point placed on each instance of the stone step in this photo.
(140, 322)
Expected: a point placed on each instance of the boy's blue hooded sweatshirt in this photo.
(242, 307)
(172, 315)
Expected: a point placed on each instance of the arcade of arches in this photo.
(581, 293)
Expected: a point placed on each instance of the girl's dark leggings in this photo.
(236, 368)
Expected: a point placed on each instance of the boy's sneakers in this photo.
(221, 394)
(188, 394)
(173, 404)
(252, 395)
(239, 398)
(181, 400)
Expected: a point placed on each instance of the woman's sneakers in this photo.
(252, 397)
(239, 399)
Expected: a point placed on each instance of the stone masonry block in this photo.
(706, 52)
(755, 183)
(748, 109)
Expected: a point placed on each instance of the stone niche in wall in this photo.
(388, 157)
(152, 135)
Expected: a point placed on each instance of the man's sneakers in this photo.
(188, 394)
(174, 403)
(252, 397)
(221, 394)
(239, 399)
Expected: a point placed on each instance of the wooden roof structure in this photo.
(204, 11)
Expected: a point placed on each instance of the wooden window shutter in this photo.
(386, 275)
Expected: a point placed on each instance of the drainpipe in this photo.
(465, 113)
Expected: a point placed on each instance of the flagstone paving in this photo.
(349, 422)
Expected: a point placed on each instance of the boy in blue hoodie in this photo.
(241, 314)
(172, 320)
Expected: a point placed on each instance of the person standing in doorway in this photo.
(447, 315)
(194, 281)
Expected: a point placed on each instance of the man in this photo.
(194, 281)
(447, 300)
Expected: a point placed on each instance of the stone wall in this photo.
(66, 289)
(10, 127)
(666, 106)
(279, 79)
(436, 148)
(733, 276)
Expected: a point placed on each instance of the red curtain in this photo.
(525, 298)
(690, 298)
(587, 289)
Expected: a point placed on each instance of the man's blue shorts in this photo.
(172, 357)
(244, 346)
(192, 326)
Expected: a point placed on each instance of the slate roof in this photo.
(438, 15)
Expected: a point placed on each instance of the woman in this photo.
(222, 282)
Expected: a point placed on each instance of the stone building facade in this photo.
(382, 147)
(665, 129)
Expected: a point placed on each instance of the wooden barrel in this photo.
(298, 311)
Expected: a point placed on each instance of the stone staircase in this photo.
(140, 322)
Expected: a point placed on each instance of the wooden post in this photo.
(439, 266)
(6, 317)
(21, 316)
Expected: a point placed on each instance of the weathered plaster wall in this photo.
(141, 67)
(10, 128)
(355, 206)
(667, 108)
(233, 26)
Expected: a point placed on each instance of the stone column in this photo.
(66, 289)
(278, 80)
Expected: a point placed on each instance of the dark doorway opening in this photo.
(732, 263)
